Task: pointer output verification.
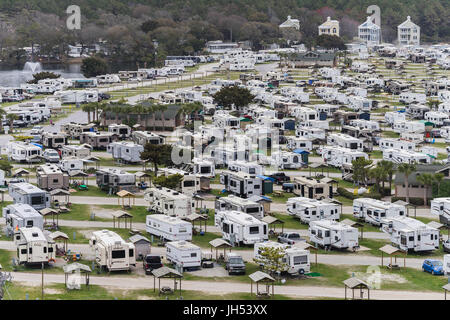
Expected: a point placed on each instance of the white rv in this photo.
(169, 202)
(33, 247)
(308, 210)
(184, 254)
(204, 168)
(438, 118)
(412, 97)
(77, 96)
(345, 141)
(392, 143)
(238, 227)
(190, 183)
(111, 251)
(409, 126)
(296, 260)
(234, 203)
(27, 193)
(24, 152)
(372, 210)
(337, 156)
(21, 216)
(394, 116)
(71, 164)
(241, 183)
(447, 264)
(441, 207)
(411, 234)
(299, 143)
(327, 233)
(406, 156)
(125, 151)
(286, 160)
(168, 228)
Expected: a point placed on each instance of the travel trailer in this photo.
(234, 203)
(332, 234)
(54, 140)
(24, 152)
(71, 164)
(308, 210)
(411, 234)
(121, 130)
(27, 193)
(312, 188)
(394, 116)
(241, 184)
(310, 133)
(238, 227)
(296, 260)
(168, 228)
(436, 117)
(21, 215)
(248, 167)
(145, 137)
(114, 180)
(345, 141)
(50, 177)
(190, 183)
(184, 254)
(33, 247)
(286, 160)
(392, 143)
(411, 97)
(98, 140)
(204, 168)
(373, 211)
(111, 251)
(405, 156)
(77, 96)
(76, 151)
(441, 207)
(74, 130)
(125, 151)
(408, 126)
(337, 156)
(299, 143)
(169, 202)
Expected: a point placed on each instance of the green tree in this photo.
(11, 117)
(94, 66)
(388, 169)
(2, 113)
(172, 182)
(6, 166)
(361, 168)
(330, 42)
(426, 179)
(438, 177)
(43, 75)
(407, 169)
(271, 258)
(89, 108)
(157, 154)
(233, 95)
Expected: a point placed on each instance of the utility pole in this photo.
(42, 284)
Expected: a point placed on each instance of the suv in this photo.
(280, 177)
(51, 155)
(151, 262)
(235, 264)
(290, 238)
(446, 245)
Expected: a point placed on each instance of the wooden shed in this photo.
(142, 245)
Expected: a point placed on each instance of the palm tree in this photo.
(89, 107)
(2, 113)
(426, 179)
(377, 174)
(407, 169)
(438, 177)
(11, 118)
(388, 168)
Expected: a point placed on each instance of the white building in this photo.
(329, 27)
(408, 33)
(369, 32)
(291, 23)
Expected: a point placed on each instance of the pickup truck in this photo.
(235, 264)
(280, 177)
(151, 262)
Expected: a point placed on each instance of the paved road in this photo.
(216, 287)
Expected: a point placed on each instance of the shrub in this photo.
(346, 194)
(413, 201)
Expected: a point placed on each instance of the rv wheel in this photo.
(301, 272)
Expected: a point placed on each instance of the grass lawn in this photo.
(290, 222)
(367, 227)
(390, 134)
(281, 199)
(79, 212)
(139, 212)
(376, 154)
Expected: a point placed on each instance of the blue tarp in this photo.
(266, 178)
(38, 145)
(300, 151)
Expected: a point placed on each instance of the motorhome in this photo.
(337, 156)
(76, 151)
(114, 180)
(50, 177)
(24, 152)
(98, 140)
(33, 247)
(333, 234)
(121, 130)
(296, 260)
(168, 228)
(27, 193)
(241, 183)
(441, 207)
(406, 156)
(312, 188)
(54, 140)
(345, 141)
(111, 251)
(308, 210)
(184, 254)
(411, 234)
(392, 143)
(234, 203)
(21, 215)
(239, 227)
(373, 211)
(169, 202)
(146, 137)
(125, 151)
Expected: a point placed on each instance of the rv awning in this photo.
(220, 243)
(260, 276)
(353, 283)
(166, 272)
(73, 267)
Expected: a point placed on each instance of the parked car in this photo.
(280, 177)
(435, 267)
(51, 155)
(235, 264)
(207, 261)
(290, 238)
(446, 245)
(152, 262)
(288, 187)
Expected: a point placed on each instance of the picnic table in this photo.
(166, 290)
(278, 193)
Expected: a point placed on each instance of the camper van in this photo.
(111, 251)
(312, 188)
(168, 228)
(33, 247)
(297, 260)
(308, 210)
(21, 216)
(184, 254)
(441, 207)
(169, 202)
(234, 203)
(411, 234)
(332, 234)
(238, 227)
(372, 210)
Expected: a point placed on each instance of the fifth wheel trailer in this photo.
(328, 234)
(238, 227)
(441, 207)
(308, 210)
(184, 254)
(372, 210)
(168, 228)
(33, 247)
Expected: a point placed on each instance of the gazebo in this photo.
(392, 251)
(21, 172)
(60, 193)
(119, 215)
(124, 194)
(446, 289)
(91, 159)
(314, 166)
(59, 236)
(355, 224)
(141, 176)
(193, 217)
(220, 243)
(76, 267)
(260, 277)
(355, 283)
(272, 222)
(166, 273)
(50, 212)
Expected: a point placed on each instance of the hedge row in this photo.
(413, 201)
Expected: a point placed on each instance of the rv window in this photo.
(118, 254)
(50, 249)
(300, 260)
(313, 213)
(319, 190)
(193, 255)
(252, 210)
(418, 237)
(37, 200)
(265, 229)
(189, 184)
(45, 249)
(226, 228)
(131, 253)
(30, 250)
(29, 223)
(327, 234)
(18, 237)
(254, 230)
(319, 233)
(182, 230)
(411, 238)
(23, 251)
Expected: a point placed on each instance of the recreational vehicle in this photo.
(184, 254)
(312, 188)
(54, 140)
(169, 202)
(77, 151)
(114, 180)
(406, 156)
(189, 184)
(307, 209)
(337, 156)
(241, 183)
(33, 247)
(111, 251)
(234, 203)
(441, 207)
(71, 164)
(372, 210)
(98, 140)
(436, 117)
(27, 193)
(74, 130)
(168, 228)
(238, 227)
(21, 215)
(409, 126)
(392, 143)
(345, 141)
(124, 151)
(24, 152)
(50, 177)
(287, 160)
(77, 96)
(145, 137)
(204, 168)
(332, 234)
(121, 130)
